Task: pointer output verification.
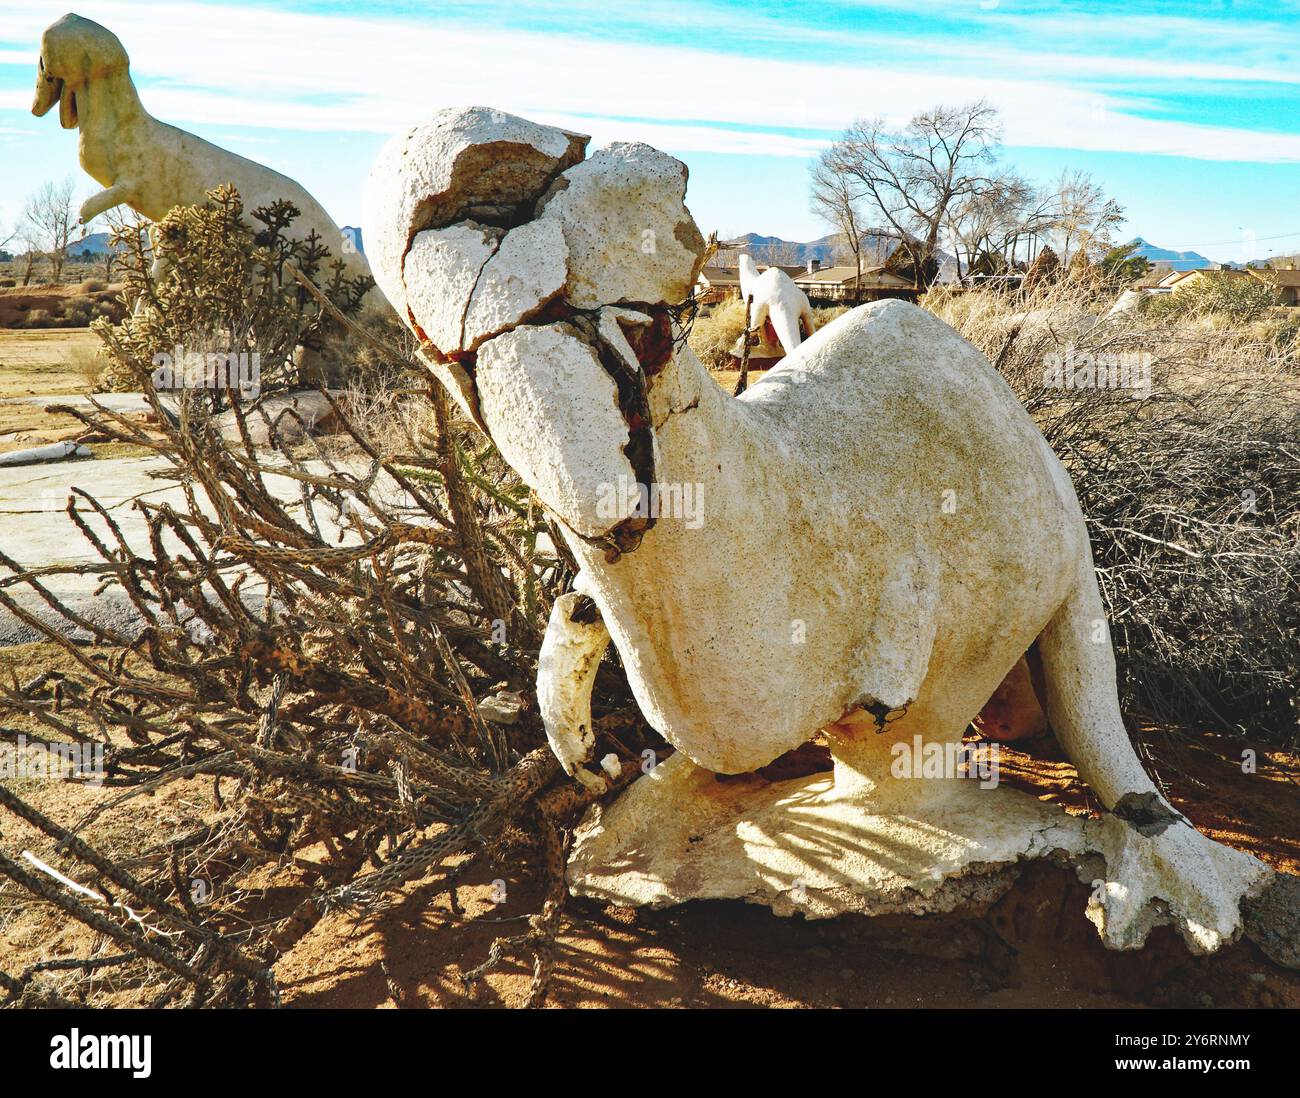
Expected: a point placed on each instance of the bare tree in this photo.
(49, 221)
(119, 219)
(1085, 216)
(998, 220)
(835, 199)
(31, 253)
(909, 179)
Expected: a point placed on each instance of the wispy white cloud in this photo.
(260, 67)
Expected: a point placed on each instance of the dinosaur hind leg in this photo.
(1078, 673)
(1159, 868)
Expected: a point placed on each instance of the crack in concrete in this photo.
(469, 299)
(688, 407)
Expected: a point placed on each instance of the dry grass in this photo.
(58, 306)
(714, 333)
(1192, 494)
(87, 364)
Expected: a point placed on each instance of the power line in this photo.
(1236, 240)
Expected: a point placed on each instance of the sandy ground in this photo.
(1034, 949)
(40, 362)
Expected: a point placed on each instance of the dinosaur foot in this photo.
(1159, 869)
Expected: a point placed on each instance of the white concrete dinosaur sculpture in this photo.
(924, 535)
(1128, 302)
(776, 300)
(146, 164)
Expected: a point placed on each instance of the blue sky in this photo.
(1189, 113)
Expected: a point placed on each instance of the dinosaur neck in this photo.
(694, 418)
(712, 453)
(109, 111)
(703, 437)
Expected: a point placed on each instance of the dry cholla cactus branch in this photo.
(319, 660)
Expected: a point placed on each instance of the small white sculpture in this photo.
(866, 543)
(776, 300)
(146, 164)
(1128, 302)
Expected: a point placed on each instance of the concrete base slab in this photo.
(857, 841)
(811, 845)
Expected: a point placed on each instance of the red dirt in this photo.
(1034, 948)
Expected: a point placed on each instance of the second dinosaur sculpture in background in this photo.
(144, 163)
(779, 307)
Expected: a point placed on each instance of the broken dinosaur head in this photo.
(74, 51)
(539, 283)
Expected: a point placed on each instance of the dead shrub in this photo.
(316, 668)
(1192, 493)
(88, 364)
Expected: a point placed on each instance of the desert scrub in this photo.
(827, 314)
(1239, 299)
(318, 665)
(1191, 490)
(88, 363)
(714, 333)
(78, 314)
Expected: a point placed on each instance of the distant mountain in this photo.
(775, 249)
(1167, 257)
(94, 244)
(877, 246)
